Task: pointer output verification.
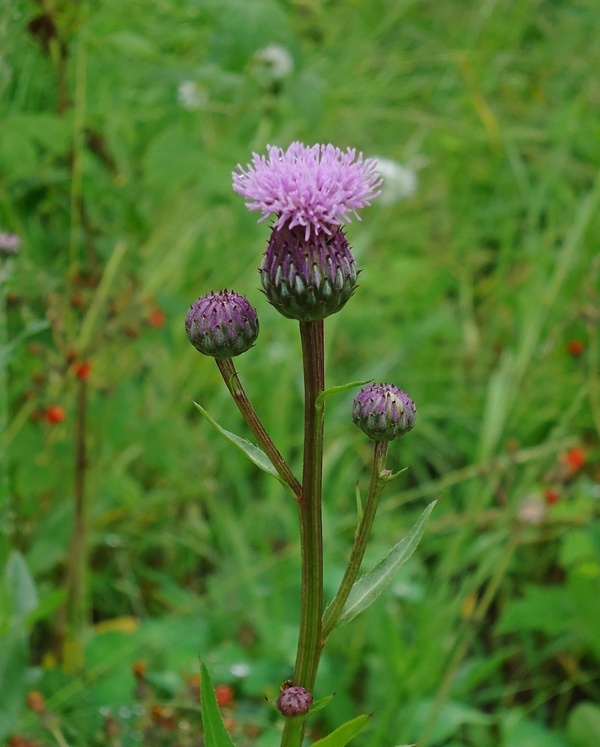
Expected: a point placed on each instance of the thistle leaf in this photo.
(344, 733)
(255, 455)
(339, 390)
(366, 590)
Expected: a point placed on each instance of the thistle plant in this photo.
(308, 273)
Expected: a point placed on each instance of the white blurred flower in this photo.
(240, 669)
(532, 510)
(191, 96)
(399, 182)
(277, 61)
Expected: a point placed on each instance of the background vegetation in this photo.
(121, 123)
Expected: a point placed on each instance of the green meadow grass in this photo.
(472, 294)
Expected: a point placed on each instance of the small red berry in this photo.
(157, 318)
(82, 370)
(574, 459)
(575, 348)
(551, 496)
(224, 695)
(55, 414)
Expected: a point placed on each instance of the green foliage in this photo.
(215, 733)
(254, 454)
(344, 733)
(368, 588)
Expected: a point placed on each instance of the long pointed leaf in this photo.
(366, 590)
(215, 733)
(344, 733)
(255, 455)
(339, 389)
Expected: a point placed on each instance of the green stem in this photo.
(311, 534)
(5, 500)
(232, 381)
(76, 602)
(361, 538)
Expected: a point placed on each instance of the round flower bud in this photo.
(383, 412)
(294, 700)
(222, 324)
(308, 278)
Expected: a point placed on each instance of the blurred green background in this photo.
(120, 125)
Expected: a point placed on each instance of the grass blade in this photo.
(215, 733)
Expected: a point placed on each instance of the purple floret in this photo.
(317, 187)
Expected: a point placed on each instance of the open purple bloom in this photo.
(317, 187)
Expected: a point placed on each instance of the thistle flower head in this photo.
(383, 412)
(316, 187)
(294, 700)
(308, 280)
(222, 324)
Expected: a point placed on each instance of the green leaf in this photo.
(22, 593)
(13, 679)
(366, 590)
(338, 390)
(517, 730)
(583, 727)
(344, 733)
(318, 705)
(255, 455)
(215, 733)
(393, 475)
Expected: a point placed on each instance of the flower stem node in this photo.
(222, 324)
(294, 700)
(308, 279)
(383, 412)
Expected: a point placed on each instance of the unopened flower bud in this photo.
(222, 324)
(294, 700)
(383, 412)
(308, 278)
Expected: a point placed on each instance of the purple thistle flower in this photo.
(383, 412)
(316, 187)
(222, 324)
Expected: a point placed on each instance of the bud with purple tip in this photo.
(222, 324)
(294, 700)
(383, 412)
